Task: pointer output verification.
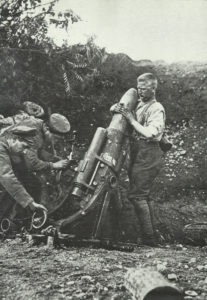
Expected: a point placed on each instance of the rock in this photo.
(149, 254)
(191, 293)
(192, 260)
(70, 282)
(179, 247)
(80, 296)
(200, 268)
(182, 152)
(86, 278)
(161, 267)
(106, 270)
(110, 287)
(172, 276)
(115, 297)
(99, 286)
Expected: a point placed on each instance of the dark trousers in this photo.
(8, 206)
(146, 161)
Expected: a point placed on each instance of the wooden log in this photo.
(148, 284)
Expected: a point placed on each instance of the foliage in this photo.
(32, 66)
(24, 23)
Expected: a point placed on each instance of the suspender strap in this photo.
(142, 115)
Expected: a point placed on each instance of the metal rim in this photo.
(44, 215)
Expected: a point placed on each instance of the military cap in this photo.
(59, 124)
(33, 109)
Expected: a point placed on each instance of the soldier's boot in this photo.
(151, 206)
(158, 236)
(9, 224)
(143, 213)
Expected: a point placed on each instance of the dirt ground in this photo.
(38, 272)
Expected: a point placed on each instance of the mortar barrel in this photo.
(87, 165)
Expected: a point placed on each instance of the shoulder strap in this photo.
(143, 113)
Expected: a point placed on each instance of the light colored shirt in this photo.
(152, 116)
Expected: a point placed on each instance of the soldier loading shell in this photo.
(148, 124)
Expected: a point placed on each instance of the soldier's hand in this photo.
(127, 114)
(35, 206)
(61, 164)
(116, 108)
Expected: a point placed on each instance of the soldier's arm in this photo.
(141, 129)
(155, 124)
(10, 182)
(156, 121)
(134, 123)
(35, 164)
(47, 156)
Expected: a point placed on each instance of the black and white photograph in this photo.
(103, 149)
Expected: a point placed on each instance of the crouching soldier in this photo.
(35, 158)
(11, 149)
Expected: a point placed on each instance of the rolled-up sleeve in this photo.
(156, 122)
(9, 181)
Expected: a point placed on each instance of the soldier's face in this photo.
(146, 90)
(17, 146)
(35, 110)
(57, 138)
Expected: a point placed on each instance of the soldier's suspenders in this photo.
(142, 116)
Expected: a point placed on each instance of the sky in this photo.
(170, 30)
